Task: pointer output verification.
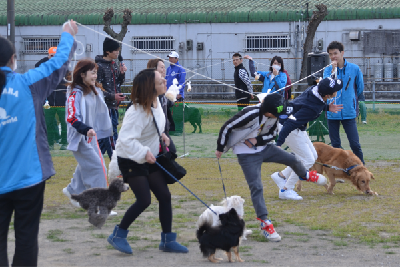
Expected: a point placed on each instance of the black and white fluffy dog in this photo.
(225, 236)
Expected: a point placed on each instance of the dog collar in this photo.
(349, 169)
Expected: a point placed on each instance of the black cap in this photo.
(329, 86)
(110, 45)
(274, 103)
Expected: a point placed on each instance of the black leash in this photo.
(347, 171)
(223, 185)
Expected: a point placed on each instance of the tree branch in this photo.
(316, 19)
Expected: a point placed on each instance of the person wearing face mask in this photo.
(305, 108)
(274, 79)
(24, 152)
(88, 121)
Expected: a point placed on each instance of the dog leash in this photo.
(347, 171)
(223, 185)
(101, 156)
(159, 165)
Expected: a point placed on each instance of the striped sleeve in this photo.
(245, 78)
(74, 116)
(241, 119)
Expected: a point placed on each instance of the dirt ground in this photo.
(74, 242)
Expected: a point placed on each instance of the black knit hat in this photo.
(273, 103)
(329, 86)
(110, 45)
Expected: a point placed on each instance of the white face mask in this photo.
(277, 67)
(15, 65)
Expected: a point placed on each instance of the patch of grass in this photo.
(68, 251)
(245, 248)
(390, 252)
(133, 238)
(260, 261)
(102, 236)
(340, 243)
(96, 254)
(295, 233)
(109, 247)
(248, 254)
(303, 239)
(54, 236)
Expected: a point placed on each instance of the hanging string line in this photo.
(194, 72)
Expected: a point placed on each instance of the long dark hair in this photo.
(84, 66)
(140, 93)
(7, 50)
(280, 60)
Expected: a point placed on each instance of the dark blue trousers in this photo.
(350, 127)
(108, 143)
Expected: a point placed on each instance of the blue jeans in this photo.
(350, 127)
(108, 143)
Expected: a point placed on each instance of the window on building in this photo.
(154, 43)
(38, 45)
(259, 43)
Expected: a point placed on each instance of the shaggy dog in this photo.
(360, 176)
(100, 201)
(235, 202)
(225, 236)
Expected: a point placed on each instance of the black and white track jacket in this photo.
(239, 127)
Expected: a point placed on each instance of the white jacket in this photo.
(138, 133)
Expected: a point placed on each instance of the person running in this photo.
(305, 108)
(88, 121)
(24, 154)
(137, 149)
(250, 134)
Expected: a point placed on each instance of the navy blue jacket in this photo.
(304, 108)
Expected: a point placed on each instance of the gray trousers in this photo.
(89, 172)
(251, 166)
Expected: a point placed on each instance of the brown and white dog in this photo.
(359, 175)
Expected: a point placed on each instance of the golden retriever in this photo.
(360, 176)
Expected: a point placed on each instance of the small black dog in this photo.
(225, 236)
(101, 200)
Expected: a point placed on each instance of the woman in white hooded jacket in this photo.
(87, 121)
(137, 148)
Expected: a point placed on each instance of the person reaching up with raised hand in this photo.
(24, 152)
(274, 79)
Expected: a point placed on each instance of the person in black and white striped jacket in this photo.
(250, 134)
(242, 81)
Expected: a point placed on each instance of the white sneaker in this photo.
(280, 182)
(289, 194)
(112, 213)
(269, 232)
(317, 178)
(365, 122)
(73, 202)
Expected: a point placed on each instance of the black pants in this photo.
(27, 205)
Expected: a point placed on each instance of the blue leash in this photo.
(223, 185)
(159, 165)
